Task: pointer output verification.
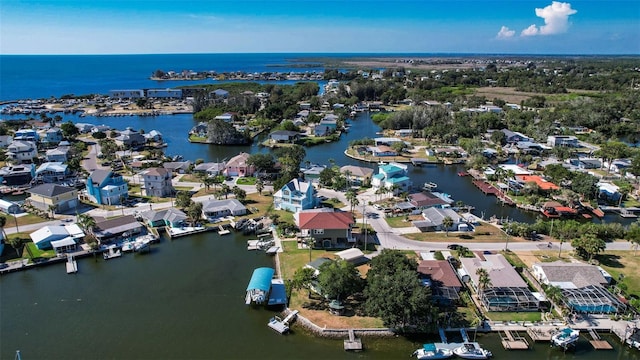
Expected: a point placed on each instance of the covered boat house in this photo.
(259, 286)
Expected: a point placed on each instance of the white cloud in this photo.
(556, 19)
(505, 33)
(530, 31)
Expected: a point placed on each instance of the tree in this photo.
(339, 279)
(194, 212)
(352, 198)
(239, 193)
(16, 243)
(394, 293)
(566, 231)
(447, 223)
(588, 245)
(3, 223)
(259, 186)
(262, 161)
(303, 278)
(484, 281)
(88, 224)
(52, 210)
(554, 293)
(225, 190)
(183, 199)
(632, 234)
(584, 184)
(69, 130)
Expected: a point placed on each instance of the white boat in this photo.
(565, 337)
(429, 186)
(431, 351)
(143, 242)
(127, 246)
(111, 253)
(472, 351)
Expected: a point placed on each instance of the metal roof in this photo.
(261, 279)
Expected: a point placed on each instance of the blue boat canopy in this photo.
(429, 347)
(261, 279)
(278, 294)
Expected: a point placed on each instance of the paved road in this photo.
(90, 162)
(391, 238)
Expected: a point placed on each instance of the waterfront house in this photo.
(52, 172)
(423, 200)
(562, 141)
(513, 137)
(118, 228)
(171, 217)
(434, 218)
(440, 276)
(20, 151)
(238, 166)
(179, 167)
(553, 209)
(214, 209)
(61, 198)
(327, 229)
(127, 94)
(106, 187)
(583, 286)
(219, 94)
(52, 136)
(508, 291)
(157, 182)
(322, 130)
(57, 237)
(153, 136)
(59, 154)
(388, 141)
(392, 176)
(164, 93)
(130, 138)
(295, 196)
(5, 140)
(226, 117)
(312, 173)
(586, 163)
(541, 183)
(26, 135)
(608, 191)
(357, 175)
(210, 168)
(382, 150)
(17, 175)
(284, 137)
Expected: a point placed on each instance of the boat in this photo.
(463, 173)
(222, 230)
(472, 351)
(431, 351)
(127, 246)
(111, 253)
(429, 186)
(565, 337)
(143, 242)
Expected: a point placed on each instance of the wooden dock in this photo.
(485, 187)
(597, 342)
(513, 341)
(353, 343)
(540, 334)
(72, 265)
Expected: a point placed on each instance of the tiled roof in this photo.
(325, 220)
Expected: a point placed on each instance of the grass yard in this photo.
(293, 259)
(483, 233)
(333, 203)
(246, 181)
(515, 316)
(24, 220)
(625, 263)
(400, 221)
(37, 253)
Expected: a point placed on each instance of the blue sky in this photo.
(373, 26)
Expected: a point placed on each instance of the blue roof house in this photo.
(392, 176)
(295, 196)
(106, 187)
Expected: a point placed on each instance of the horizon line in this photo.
(383, 53)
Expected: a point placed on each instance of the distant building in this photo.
(59, 198)
(164, 93)
(20, 151)
(127, 94)
(106, 187)
(238, 166)
(357, 175)
(562, 141)
(157, 182)
(295, 196)
(59, 154)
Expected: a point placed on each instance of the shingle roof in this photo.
(579, 274)
(162, 172)
(98, 176)
(440, 271)
(50, 190)
(325, 220)
(357, 170)
(501, 273)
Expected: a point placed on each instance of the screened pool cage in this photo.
(509, 299)
(592, 300)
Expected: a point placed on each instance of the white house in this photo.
(22, 151)
(392, 175)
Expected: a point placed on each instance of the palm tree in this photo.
(259, 186)
(484, 281)
(447, 223)
(87, 224)
(3, 223)
(352, 198)
(52, 210)
(347, 175)
(225, 190)
(194, 212)
(632, 234)
(554, 294)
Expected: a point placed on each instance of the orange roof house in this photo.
(542, 183)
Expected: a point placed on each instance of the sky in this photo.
(310, 26)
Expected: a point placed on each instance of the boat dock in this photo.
(282, 326)
(443, 336)
(222, 230)
(72, 265)
(180, 232)
(421, 161)
(597, 342)
(485, 187)
(353, 343)
(511, 340)
(625, 212)
(539, 334)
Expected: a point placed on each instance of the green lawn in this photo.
(515, 316)
(625, 263)
(246, 181)
(334, 203)
(37, 253)
(398, 221)
(24, 220)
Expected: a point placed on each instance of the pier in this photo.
(72, 265)
(180, 232)
(513, 341)
(485, 187)
(597, 342)
(539, 334)
(353, 343)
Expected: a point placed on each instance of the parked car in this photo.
(454, 247)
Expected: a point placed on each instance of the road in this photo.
(391, 238)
